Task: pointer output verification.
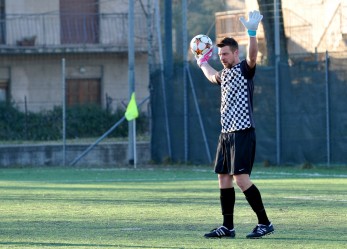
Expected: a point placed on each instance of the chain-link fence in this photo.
(312, 115)
(181, 120)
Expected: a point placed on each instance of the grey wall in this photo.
(106, 154)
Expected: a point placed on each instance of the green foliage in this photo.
(11, 121)
(82, 121)
(200, 17)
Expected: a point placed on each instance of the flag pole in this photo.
(131, 73)
(134, 132)
(131, 114)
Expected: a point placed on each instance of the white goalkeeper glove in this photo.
(204, 58)
(254, 18)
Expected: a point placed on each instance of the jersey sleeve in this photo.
(246, 70)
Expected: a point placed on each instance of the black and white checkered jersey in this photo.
(236, 97)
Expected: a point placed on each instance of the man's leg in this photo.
(254, 199)
(227, 200)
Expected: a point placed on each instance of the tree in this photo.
(266, 7)
(201, 19)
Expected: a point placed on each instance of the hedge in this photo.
(82, 121)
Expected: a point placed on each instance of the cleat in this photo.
(260, 231)
(220, 232)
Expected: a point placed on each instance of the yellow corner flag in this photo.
(132, 111)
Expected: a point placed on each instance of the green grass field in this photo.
(166, 207)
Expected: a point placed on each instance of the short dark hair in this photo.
(228, 41)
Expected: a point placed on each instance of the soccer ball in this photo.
(200, 45)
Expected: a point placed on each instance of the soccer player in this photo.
(237, 141)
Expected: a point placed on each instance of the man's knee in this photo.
(225, 181)
(243, 181)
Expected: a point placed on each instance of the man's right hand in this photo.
(200, 60)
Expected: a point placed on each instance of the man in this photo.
(236, 146)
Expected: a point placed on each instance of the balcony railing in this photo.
(343, 18)
(298, 31)
(229, 25)
(71, 32)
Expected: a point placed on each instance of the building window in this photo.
(83, 91)
(3, 91)
(2, 22)
(79, 21)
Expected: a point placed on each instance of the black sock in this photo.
(227, 200)
(254, 199)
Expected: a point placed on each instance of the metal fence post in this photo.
(63, 108)
(277, 83)
(327, 100)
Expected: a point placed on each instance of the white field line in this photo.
(313, 198)
(209, 170)
(125, 180)
(131, 229)
(255, 175)
(302, 174)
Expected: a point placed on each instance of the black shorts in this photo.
(235, 152)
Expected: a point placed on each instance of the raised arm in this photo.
(209, 72)
(252, 52)
(251, 25)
